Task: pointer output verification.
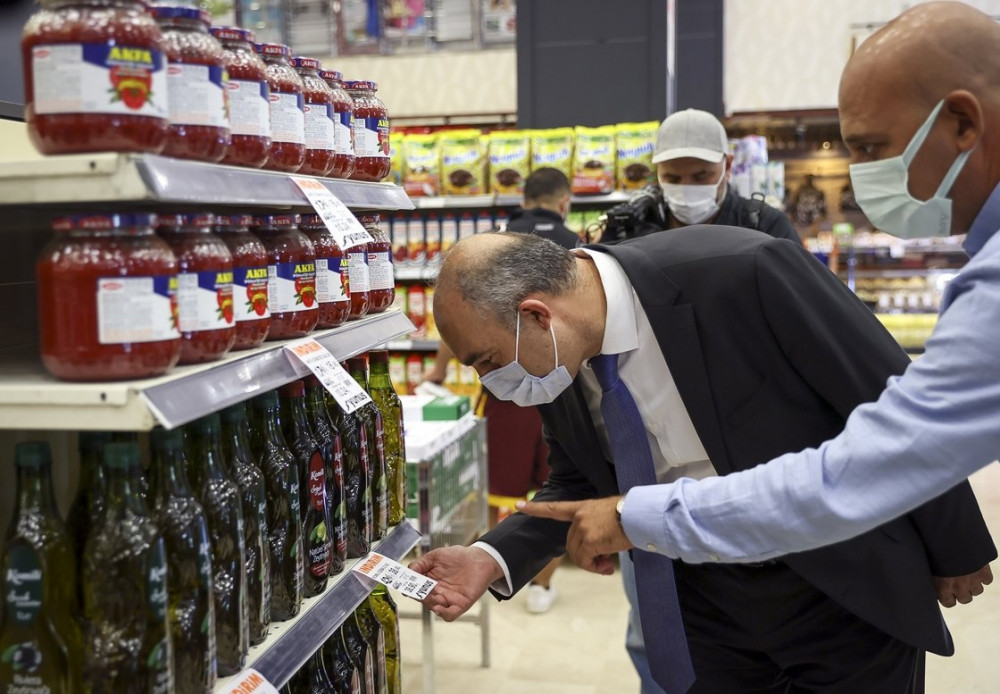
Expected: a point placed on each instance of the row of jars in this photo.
(117, 75)
(124, 296)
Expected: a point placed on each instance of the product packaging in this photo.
(463, 162)
(553, 148)
(421, 165)
(594, 161)
(510, 161)
(635, 142)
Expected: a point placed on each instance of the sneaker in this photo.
(540, 598)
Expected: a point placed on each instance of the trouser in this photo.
(766, 630)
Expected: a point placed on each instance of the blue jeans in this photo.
(634, 643)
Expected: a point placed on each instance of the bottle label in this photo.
(288, 121)
(291, 287)
(22, 581)
(249, 108)
(371, 137)
(369, 672)
(338, 512)
(197, 95)
(205, 300)
(205, 563)
(358, 270)
(137, 309)
(319, 126)
(355, 682)
(330, 285)
(157, 582)
(367, 526)
(99, 78)
(380, 270)
(381, 664)
(343, 132)
(251, 282)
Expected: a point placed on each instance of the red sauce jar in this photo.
(95, 78)
(343, 125)
(320, 149)
(331, 273)
(371, 132)
(249, 99)
(291, 270)
(196, 85)
(205, 312)
(381, 277)
(288, 133)
(106, 303)
(358, 281)
(250, 280)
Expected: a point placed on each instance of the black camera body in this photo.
(644, 213)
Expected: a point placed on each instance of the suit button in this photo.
(651, 547)
(713, 557)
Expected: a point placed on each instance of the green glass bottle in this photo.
(343, 673)
(330, 446)
(358, 367)
(384, 608)
(284, 518)
(127, 645)
(312, 678)
(253, 492)
(357, 485)
(371, 628)
(389, 405)
(89, 501)
(312, 474)
(360, 653)
(220, 497)
(182, 523)
(40, 645)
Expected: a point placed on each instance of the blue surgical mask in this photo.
(513, 383)
(880, 188)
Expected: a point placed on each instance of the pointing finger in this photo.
(556, 510)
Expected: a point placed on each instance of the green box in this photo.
(446, 408)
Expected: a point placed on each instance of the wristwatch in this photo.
(619, 507)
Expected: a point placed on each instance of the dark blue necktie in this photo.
(659, 609)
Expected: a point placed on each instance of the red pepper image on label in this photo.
(224, 296)
(305, 284)
(175, 310)
(131, 85)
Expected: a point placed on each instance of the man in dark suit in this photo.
(735, 347)
(546, 205)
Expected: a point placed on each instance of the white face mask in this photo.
(693, 204)
(512, 382)
(880, 188)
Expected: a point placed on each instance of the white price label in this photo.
(317, 358)
(341, 222)
(396, 576)
(251, 682)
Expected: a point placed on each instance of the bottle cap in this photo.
(121, 456)
(32, 454)
(94, 441)
(163, 440)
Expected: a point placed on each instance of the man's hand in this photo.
(962, 588)
(463, 574)
(595, 535)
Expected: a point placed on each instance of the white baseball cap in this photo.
(691, 133)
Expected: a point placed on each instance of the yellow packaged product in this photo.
(463, 162)
(510, 161)
(422, 165)
(553, 148)
(594, 161)
(634, 142)
(395, 175)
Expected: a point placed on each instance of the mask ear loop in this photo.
(918, 137)
(555, 345)
(517, 336)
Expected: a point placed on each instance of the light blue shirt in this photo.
(930, 429)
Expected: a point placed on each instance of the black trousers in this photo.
(766, 630)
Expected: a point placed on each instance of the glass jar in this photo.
(291, 269)
(106, 304)
(196, 85)
(331, 273)
(343, 125)
(358, 281)
(249, 94)
(381, 278)
(205, 312)
(318, 97)
(94, 77)
(288, 134)
(253, 317)
(371, 132)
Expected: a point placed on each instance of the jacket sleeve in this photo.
(776, 223)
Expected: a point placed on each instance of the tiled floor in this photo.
(577, 648)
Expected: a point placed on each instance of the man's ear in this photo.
(535, 311)
(967, 115)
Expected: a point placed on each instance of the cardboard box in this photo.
(447, 408)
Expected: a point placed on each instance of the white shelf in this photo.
(32, 399)
(415, 274)
(480, 201)
(290, 644)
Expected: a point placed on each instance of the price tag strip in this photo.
(252, 682)
(395, 575)
(341, 222)
(317, 359)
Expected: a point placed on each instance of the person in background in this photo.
(546, 204)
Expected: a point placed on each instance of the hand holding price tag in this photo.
(341, 222)
(393, 574)
(316, 358)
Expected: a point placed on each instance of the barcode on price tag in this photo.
(317, 358)
(341, 222)
(393, 574)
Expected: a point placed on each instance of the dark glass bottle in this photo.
(360, 653)
(357, 487)
(313, 678)
(182, 523)
(330, 446)
(384, 609)
(371, 629)
(312, 471)
(378, 477)
(90, 496)
(389, 405)
(284, 518)
(128, 648)
(253, 492)
(343, 673)
(223, 506)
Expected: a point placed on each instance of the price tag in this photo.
(341, 222)
(317, 358)
(250, 682)
(396, 576)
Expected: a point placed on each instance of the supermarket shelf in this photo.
(32, 399)
(290, 644)
(479, 201)
(415, 274)
(891, 273)
(81, 179)
(412, 345)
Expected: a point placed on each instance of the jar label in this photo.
(343, 132)
(291, 287)
(205, 300)
(99, 78)
(329, 281)
(380, 270)
(249, 108)
(137, 309)
(251, 281)
(197, 95)
(371, 137)
(23, 587)
(358, 278)
(319, 126)
(288, 122)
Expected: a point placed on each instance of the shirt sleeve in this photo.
(503, 586)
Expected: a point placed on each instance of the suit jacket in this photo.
(770, 353)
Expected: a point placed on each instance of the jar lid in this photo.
(233, 220)
(305, 63)
(232, 34)
(368, 219)
(273, 49)
(102, 222)
(360, 85)
(312, 220)
(198, 221)
(275, 220)
(335, 75)
(175, 12)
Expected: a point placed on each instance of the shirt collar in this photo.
(621, 334)
(986, 224)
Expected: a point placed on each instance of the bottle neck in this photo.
(171, 474)
(123, 488)
(34, 490)
(294, 408)
(91, 472)
(379, 376)
(209, 458)
(272, 426)
(237, 434)
(360, 377)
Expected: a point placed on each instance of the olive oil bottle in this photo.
(371, 629)
(377, 471)
(330, 446)
(346, 677)
(312, 678)
(89, 501)
(384, 608)
(360, 653)
(389, 405)
(357, 484)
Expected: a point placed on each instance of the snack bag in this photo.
(634, 142)
(594, 161)
(463, 162)
(395, 175)
(422, 171)
(553, 148)
(510, 161)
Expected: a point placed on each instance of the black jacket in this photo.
(770, 353)
(737, 211)
(544, 223)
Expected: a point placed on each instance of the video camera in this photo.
(640, 215)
